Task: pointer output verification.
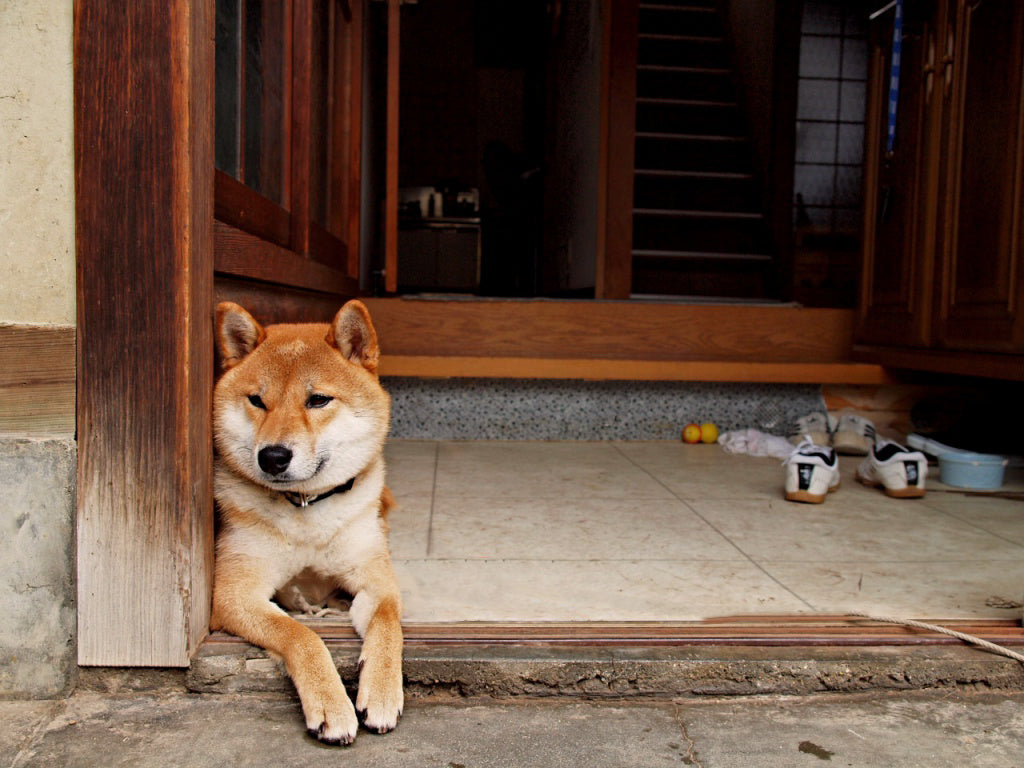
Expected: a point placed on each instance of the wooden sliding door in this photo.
(288, 143)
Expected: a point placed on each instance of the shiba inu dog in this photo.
(299, 424)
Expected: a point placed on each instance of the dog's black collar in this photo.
(301, 500)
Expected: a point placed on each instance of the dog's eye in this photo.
(318, 401)
(257, 402)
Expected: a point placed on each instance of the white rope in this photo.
(972, 639)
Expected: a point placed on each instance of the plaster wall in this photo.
(37, 202)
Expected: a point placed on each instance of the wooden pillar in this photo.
(391, 163)
(614, 275)
(143, 84)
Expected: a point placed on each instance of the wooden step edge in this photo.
(438, 366)
(711, 39)
(680, 69)
(664, 172)
(709, 9)
(653, 253)
(670, 213)
(671, 102)
(667, 136)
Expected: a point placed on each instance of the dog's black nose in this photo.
(274, 459)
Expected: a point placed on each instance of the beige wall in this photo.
(37, 203)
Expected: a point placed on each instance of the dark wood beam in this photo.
(143, 105)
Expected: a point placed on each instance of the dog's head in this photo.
(299, 407)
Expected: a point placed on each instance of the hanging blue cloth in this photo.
(894, 77)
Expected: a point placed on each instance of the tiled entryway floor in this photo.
(663, 531)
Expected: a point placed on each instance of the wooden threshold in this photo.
(426, 366)
(617, 340)
(611, 330)
(765, 632)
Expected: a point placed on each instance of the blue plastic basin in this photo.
(979, 471)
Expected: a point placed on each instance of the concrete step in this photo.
(502, 670)
(896, 730)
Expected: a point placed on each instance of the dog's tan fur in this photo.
(312, 390)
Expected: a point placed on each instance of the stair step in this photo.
(708, 51)
(693, 152)
(650, 253)
(680, 38)
(693, 174)
(698, 214)
(708, 118)
(675, 101)
(682, 69)
(702, 231)
(694, 22)
(670, 136)
(655, 661)
(743, 279)
(694, 190)
(709, 9)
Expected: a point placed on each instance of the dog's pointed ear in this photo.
(353, 335)
(238, 333)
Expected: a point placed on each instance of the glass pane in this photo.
(319, 111)
(264, 98)
(226, 134)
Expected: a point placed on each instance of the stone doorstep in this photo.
(622, 672)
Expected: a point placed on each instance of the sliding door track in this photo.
(773, 631)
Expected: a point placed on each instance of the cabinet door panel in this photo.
(981, 283)
(895, 283)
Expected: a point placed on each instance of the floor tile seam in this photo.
(715, 528)
(901, 561)
(567, 492)
(637, 560)
(433, 499)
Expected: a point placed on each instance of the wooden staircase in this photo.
(699, 227)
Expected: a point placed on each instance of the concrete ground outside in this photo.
(952, 727)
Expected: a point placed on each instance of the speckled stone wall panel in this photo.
(493, 409)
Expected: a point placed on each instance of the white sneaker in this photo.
(854, 435)
(817, 427)
(898, 471)
(812, 472)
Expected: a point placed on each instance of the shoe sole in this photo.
(910, 492)
(806, 497)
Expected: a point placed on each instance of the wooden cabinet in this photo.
(943, 275)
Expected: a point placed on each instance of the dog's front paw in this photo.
(332, 720)
(380, 696)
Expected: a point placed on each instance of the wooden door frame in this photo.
(614, 266)
(148, 250)
(143, 105)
